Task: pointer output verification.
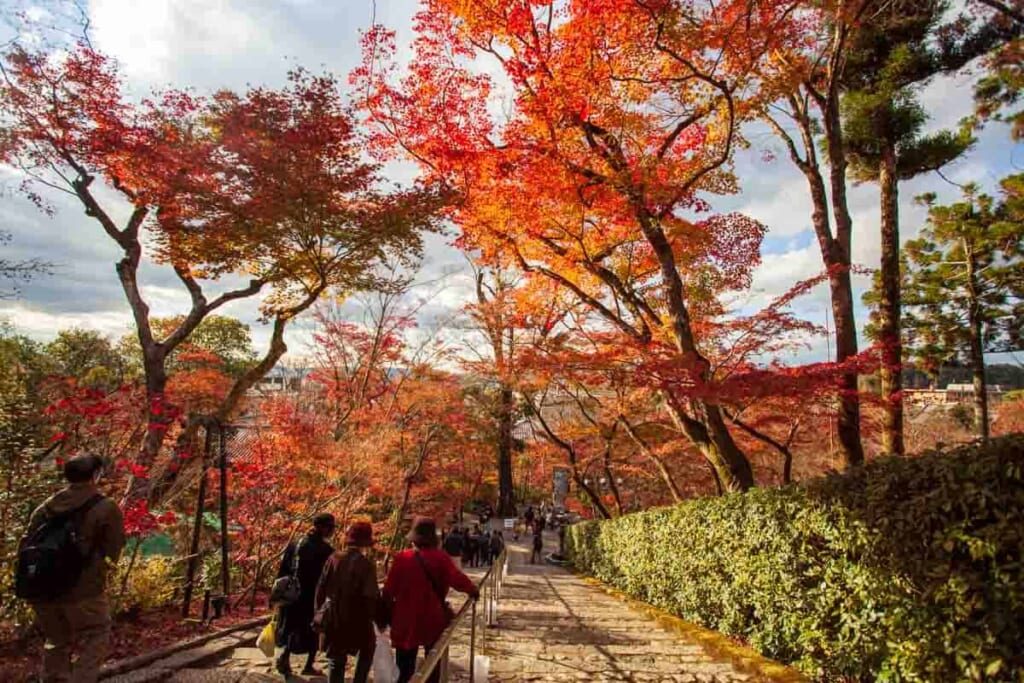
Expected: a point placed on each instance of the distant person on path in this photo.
(346, 600)
(528, 517)
(306, 559)
(69, 597)
(415, 591)
(475, 541)
(468, 549)
(483, 548)
(453, 545)
(538, 543)
(497, 545)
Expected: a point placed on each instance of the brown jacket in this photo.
(102, 531)
(350, 581)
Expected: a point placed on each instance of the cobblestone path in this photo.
(554, 626)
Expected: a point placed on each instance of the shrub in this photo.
(150, 583)
(905, 570)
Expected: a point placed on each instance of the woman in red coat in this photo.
(415, 589)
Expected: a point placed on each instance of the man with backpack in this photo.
(62, 571)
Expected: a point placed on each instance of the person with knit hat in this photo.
(346, 605)
(415, 590)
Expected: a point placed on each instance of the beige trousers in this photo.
(84, 626)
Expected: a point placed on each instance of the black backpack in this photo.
(50, 558)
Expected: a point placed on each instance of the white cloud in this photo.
(44, 326)
(150, 38)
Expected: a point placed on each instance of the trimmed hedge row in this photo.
(906, 570)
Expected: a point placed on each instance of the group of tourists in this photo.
(339, 601)
(473, 547)
(332, 600)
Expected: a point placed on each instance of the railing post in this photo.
(491, 599)
(472, 644)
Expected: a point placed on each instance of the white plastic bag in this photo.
(385, 670)
(481, 668)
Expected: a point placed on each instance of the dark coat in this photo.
(497, 545)
(468, 547)
(349, 580)
(454, 544)
(295, 621)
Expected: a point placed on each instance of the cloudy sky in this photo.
(209, 44)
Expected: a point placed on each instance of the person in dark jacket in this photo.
(469, 549)
(497, 544)
(483, 548)
(538, 544)
(415, 590)
(528, 517)
(295, 634)
(454, 544)
(347, 596)
(82, 614)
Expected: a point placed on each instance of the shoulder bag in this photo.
(286, 590)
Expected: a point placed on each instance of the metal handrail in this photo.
(490, 592)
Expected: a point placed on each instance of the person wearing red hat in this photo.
(415, 591)
(346, 605)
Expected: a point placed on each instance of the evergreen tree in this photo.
(998, 92)
(896, 51)
(964, 292)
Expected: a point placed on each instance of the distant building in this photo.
(282, 379)
(952, 394)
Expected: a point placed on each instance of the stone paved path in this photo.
(554, 626)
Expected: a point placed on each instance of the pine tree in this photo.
(964, 291)
(896, 51)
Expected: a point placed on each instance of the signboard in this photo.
(510, 523)
(560, 486)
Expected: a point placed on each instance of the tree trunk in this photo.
(848, 426)
(709, 434)
(713, 440)
(977, 347)
(980, 386)
(197, 527)
(158, 419)
(731, 464)
(595, 500)
(506, 491)
(225, 573)
(836, 255)
(889, 306)
(275, 350)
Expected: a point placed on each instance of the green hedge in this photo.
(907, 570)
